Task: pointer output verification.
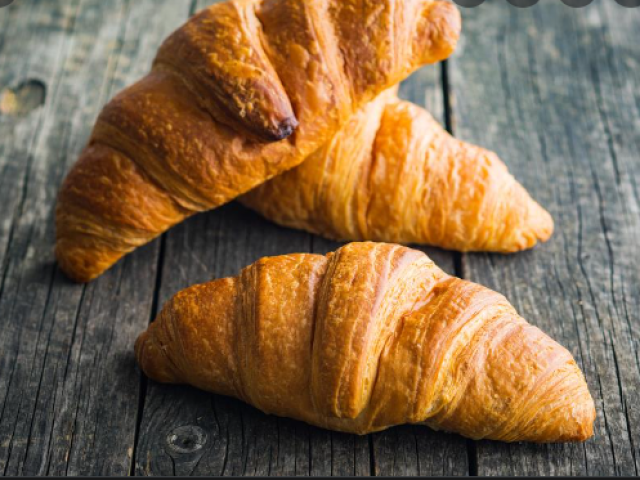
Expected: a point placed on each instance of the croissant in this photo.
(370, 336)
(217, 114)
(393, 174)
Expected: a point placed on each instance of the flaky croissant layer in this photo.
(215, 116)
(370, 336)
(393, 174)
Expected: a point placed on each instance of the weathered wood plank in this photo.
(40, 31)
(29, 35)
(554, 91)
(68, 387)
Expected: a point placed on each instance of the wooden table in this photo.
(554, 90)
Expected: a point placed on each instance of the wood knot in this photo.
(186, 439)
(24, 98)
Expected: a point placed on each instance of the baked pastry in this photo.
(371, 336)
(393, 174)
(216, 115)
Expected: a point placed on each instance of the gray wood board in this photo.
(68, 385)
(554, 90)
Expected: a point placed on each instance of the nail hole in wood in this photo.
(186, 439)
(24, 98)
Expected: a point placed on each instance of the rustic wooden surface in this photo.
(553, 90)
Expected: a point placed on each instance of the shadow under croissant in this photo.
(212, 428)
(186, 431)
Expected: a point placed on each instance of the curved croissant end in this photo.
(394, 174)
(371, 336)
(201, 128)
(230, 70)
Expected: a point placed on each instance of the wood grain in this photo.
(68, 386)
(554, 91)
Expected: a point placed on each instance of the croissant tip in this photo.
(448, 19)
(544, 226)
(581, 429)
(285, 128)
(65, 264)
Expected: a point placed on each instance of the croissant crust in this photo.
(393, 174)
(242, 92)
(371, 336)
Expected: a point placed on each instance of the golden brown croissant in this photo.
(203, 126)
(371, 336)
(393, 174)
